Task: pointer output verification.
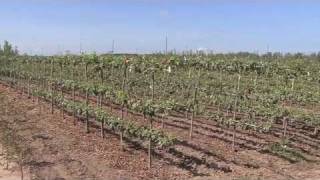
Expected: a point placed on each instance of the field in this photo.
(223, 116)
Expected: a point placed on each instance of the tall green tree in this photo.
(7, 49)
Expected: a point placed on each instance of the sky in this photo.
(54, 26)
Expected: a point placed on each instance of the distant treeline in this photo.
(237, 55)
(8, 50)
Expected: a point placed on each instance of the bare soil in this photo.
(9, 170)
(57, 149)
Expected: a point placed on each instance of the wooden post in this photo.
(285, 124)
(162, 121)
(124, 87)
(316, 131)
(234, 114)
(61, 90)
(292, 85)
(194, 107)
(87, 100)
(152, 80)
(149, 154)
(122, 105)
(73, 93)
(150, 125)
(51, 85)
(234, 125)
(121, 140)
(28, 91)
(87, 113)
(102, 122)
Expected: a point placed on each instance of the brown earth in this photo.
(9, 170)
(59, 150)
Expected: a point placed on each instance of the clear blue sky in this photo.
(51, 26)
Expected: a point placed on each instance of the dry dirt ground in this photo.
(52, 148)
(9, 171)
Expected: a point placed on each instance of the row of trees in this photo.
(8, 50)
